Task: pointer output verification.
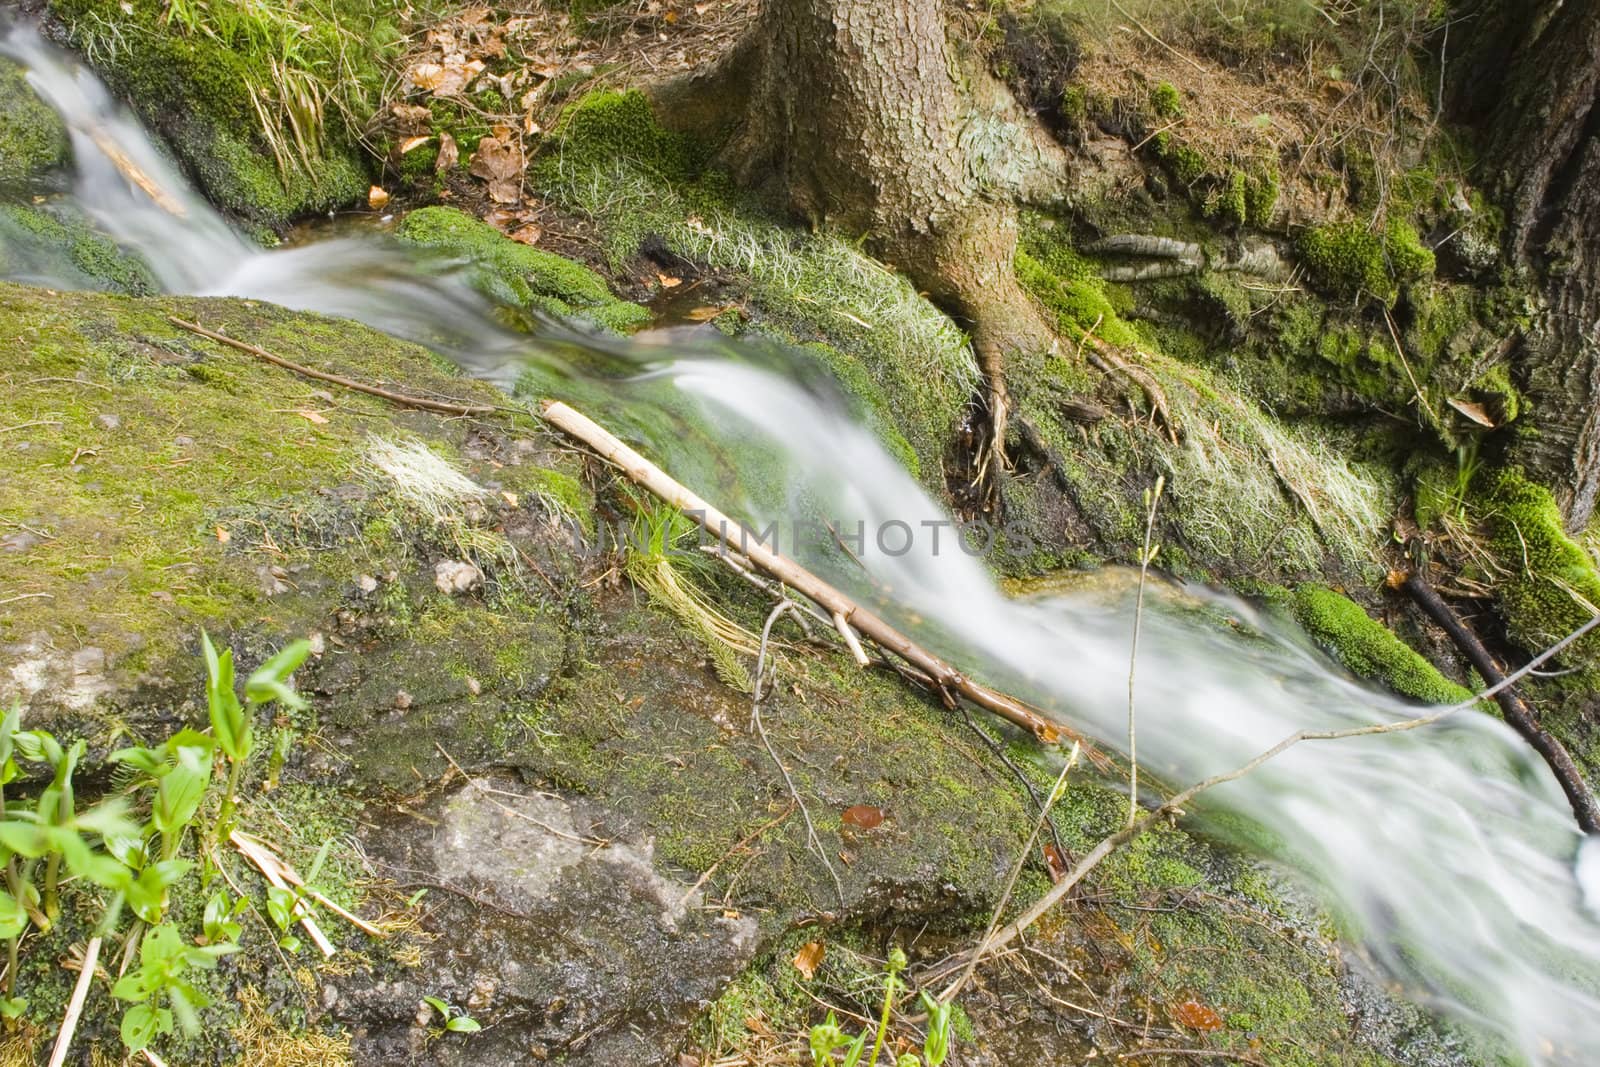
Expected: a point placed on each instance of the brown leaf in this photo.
(528, 235)
(668, 281)
(377, 198)
(1475, 412)
(449, 153)
(316, 418)
(411, 116)
(807, 959)
(413, 142)
(499, 162)
(1055, 862)
(703, 314)
(1196, 1016)
(861, 816)
(223, 536)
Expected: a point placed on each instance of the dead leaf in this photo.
(313, 417)
(861, 816)
(413, 142)
(377, 198)
(411, 116)
(449, 78)
(528, 235)
(530, 127)
(1475, 412)
(807, 959)
(498, 161)
(668, 281)
(449, 153)
(1055, 862)
(1196, 1016)
(703, 314)
(509, 497)
(223, 536)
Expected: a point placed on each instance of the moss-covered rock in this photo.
(54, 246)
(213, 85)
(1369, 649)
(607, 127)
(1349, 259)
(32, 138)
(1552, 586)
(518, 276)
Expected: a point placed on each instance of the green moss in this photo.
(1166, 101)
(1079, 304)
(195, 87)
(1369, 649)
(517, 276)
(60, 248)
(1186, 163)
(1409, 259)
(1075, 105)
(1261, 196)
(1346, 258)
(32, 138)
(1349, 259)
(1553, 584)
(1230, 202)
(605, 126)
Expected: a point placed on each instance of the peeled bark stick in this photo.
(1518, 715)
(80, 993)
(831, 600)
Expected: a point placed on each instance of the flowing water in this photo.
(1448, 851)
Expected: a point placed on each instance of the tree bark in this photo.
(865, 116)
(1528, 78)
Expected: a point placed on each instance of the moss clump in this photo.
(517, 276)
(1166, 101)
(1261, 196)
(1409, 258)
(1553, 581)
(1079, 304)
(1368, 648)
(1230, 202)
(60, 249)
(606, 126)
(1348, 258)
(32, 138)
(1187, 164)
(196, 85)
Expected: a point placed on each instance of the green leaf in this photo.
(180, 790)
(8, 731)
(229, 722)
(13, 919)
(25, 838)
(316, 864)
(440, 1006)
(13, 1008)
(140, 1024)
(280, 906)
(269, 682)
(463, 1024)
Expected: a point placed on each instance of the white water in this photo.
(1451, 847)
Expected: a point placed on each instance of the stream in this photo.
(1448, 853)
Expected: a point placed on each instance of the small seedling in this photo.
(455, 1019)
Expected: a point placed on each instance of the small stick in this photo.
(440, 406)
(1175, 805)
(850, 640)
(1518, 715)
(272, 869)
(831, 600)
(812, 840)
(80, 993)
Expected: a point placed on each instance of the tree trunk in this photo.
(1529, 80)
(864, 116)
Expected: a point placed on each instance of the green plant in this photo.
(828, 1037)
(231, 721)
(163, 975)
(455, 1019)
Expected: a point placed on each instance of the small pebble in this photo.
(107, 421)
(367, 583)
(402, 699)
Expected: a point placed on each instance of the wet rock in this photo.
(564, 941)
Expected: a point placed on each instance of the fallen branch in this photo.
(441, 406)
(1518, 715)
(1175, 805)
(832, 601)
(80, 993)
